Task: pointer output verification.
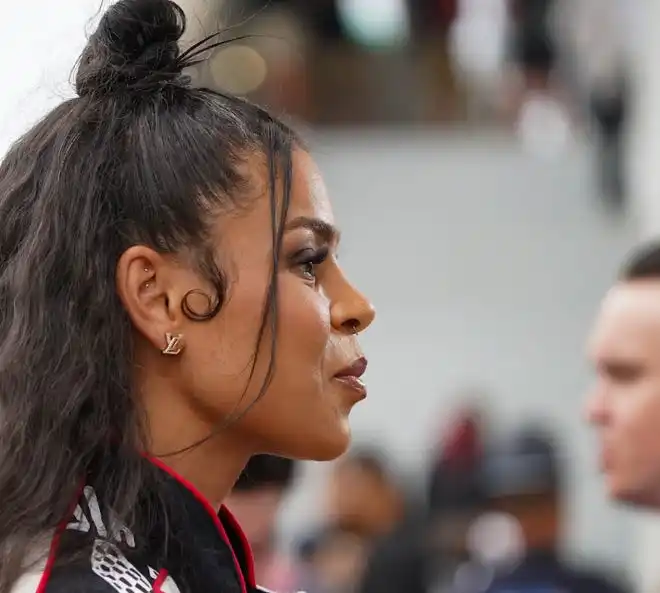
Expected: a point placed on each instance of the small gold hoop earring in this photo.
(174, 344)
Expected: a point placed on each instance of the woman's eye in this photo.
(308, 270)
(308, 266)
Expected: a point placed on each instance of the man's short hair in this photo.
(368, 460)
(266, 471)
(643, 263)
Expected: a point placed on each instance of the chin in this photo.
(329, 450)
(634, 497)
(322, 445)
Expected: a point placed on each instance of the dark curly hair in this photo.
(138, 157)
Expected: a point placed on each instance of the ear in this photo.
(146, 284)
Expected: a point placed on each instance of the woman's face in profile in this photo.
(304, 412)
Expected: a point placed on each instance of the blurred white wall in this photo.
(41, 42)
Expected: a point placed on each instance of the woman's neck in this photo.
(211, 469)
(213, 465)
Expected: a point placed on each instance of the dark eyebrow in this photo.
(322, 229)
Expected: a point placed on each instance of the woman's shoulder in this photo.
(100, 567)
(75, 578)
(67, 581)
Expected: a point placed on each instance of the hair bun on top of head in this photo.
(134, 48)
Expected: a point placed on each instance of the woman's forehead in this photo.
(309, 204)
(309, 194)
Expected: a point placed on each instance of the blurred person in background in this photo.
(536, 95)
(455, 500)
(333, 561)
(364, 507)
(519, 539)
(598, 39)
(533, 45)
(427, 549)
(363, 496)
(255, 501)
(478, 46)
(624, 401)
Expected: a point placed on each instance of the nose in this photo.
(350, 310)
(595, 408)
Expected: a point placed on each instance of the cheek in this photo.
(304, 324)
(637, 425)
(220, 350)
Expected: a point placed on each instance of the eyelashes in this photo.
(307, 260)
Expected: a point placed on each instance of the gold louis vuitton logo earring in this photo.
(174, 344)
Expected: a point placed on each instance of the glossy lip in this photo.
(351, 377)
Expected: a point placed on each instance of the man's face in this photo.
(624, 403)
(360, 499)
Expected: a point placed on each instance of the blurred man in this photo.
(624, 403)
(334, 560)
(533, 44)
(524, 483)
(424, 552)
(364, 509)
(363, 497)
(478, 44)
(599, 39)
(255, 501)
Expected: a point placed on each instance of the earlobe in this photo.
(143, 281)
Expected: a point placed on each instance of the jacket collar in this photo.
(194, 508)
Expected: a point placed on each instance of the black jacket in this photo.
(205, 552)
(546, 573)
